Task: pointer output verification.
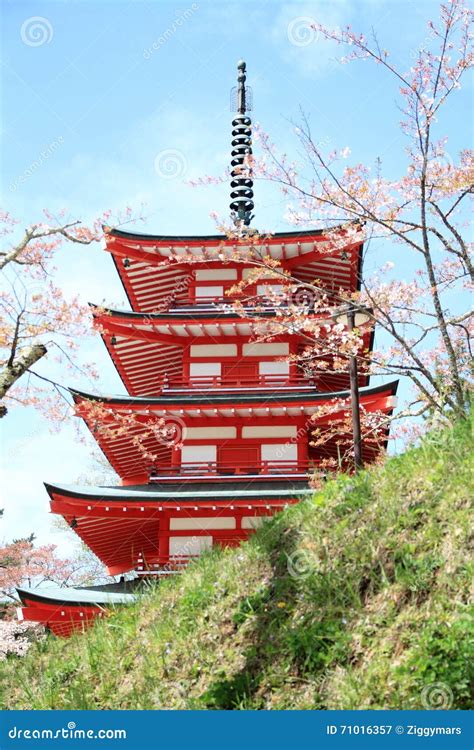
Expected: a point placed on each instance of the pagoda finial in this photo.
(241, 194)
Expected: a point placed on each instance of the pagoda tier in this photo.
(64, 610)
(156, 270)
(217, 434)
(154, 352)
(144, 528)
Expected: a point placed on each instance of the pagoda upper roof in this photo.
(73, 596)
(156, 269)
(207, 311)
(216, 397)
(119, 523)
(147, 349)
(135, 450)
(170, 492)
(177, 239)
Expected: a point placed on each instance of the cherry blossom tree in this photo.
(427, 319)
(36, 317)
(16, 637)
(24, 564)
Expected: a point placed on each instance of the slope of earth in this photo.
(358, 598)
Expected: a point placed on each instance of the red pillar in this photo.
(164, 540)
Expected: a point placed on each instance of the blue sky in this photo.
(94, 92)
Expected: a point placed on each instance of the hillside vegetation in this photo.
(357, 598)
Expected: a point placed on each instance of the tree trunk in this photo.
(12, 372)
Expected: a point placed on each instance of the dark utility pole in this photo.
(355, 405)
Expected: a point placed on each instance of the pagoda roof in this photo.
(65, 609)
(132, 451)
(121, 523)
(216, 397)
(147, 348)
(73, 596)
(206, 311)
(188, 493)
(218, 238)
(156, 269)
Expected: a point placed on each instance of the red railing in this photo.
(204, 469)
(239, 381)
(259, 303)
(192, 302)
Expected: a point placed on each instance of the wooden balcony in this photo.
(247, 382)
(253, 305)
(210, 470)
(249, 301)
(225, 300)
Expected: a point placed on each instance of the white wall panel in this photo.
(204, 368)
(268, 289)
(195, 454)
(280, 452)
(214, 350)
(220, 274)
(266, 350)
(209, 291)
(274, 368)
(202, 433)
(203, 524)
(189, 546)
(252, 522)
(272, 431)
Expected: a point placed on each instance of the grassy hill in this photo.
(357, 598)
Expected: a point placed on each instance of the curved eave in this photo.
(144, 353)
(149, 284)
(190, 314)
(202, 492)
(229, 398)
(175, 315)
(176, 239)
(71, 597)
(209, 410)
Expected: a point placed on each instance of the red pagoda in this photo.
(236, 444)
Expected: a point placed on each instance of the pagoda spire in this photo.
(241, 194)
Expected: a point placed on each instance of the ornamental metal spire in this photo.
(241, 205)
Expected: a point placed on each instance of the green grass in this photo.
(375, 614)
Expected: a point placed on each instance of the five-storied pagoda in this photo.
(233, 444)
